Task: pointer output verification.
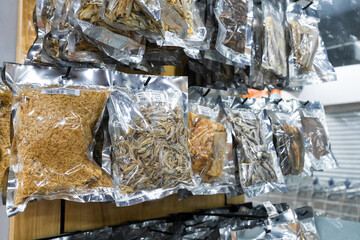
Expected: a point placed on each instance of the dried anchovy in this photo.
(234, 18)
(207, 146)
(290, 148)
(255, 161)
(305, 42)
(131, 14)
(154, 155)
(315, 132)
(275, 47)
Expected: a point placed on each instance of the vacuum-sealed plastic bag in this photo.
(317, 143)
(5, 118)
(274, 57)
(304, 41)
(122, 45)
(258, 164)
(288, 136)
(210, 143)
(234, 35)
(147, 127)
(54, 119)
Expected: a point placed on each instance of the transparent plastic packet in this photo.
(259, 168)
(317, 143)
(142, 16)
(258, 77)
(283, 226)
(56, 117)
(194, 28)
(335, 200)
(147, 126)
(305, 216)
(288, 136)
(304, 41)
(164, 55)
(210, 143)
(123, 46)
(274, 56)
(6, 97)
(234, 36)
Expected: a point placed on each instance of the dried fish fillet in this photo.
(207, 146)
(52, 135)
(130, 14)
(289, 146)
(304, 39)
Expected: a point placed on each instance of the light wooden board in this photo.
(42, 219)
(79, 216)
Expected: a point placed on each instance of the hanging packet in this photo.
(274, 57)
(210, 143)
(258, 165)
(235, 34)
(317, 144)
(288, 136)
(147, 127)
(54, 120)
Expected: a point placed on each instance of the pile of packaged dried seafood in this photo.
(278, 40)
(102, 135)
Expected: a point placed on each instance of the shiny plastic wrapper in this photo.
(234, 35)
(190, 31)
(317, 143)
(210, 143)
(147, 127)
(54, 121)
(133, 15)
(288, 136)
(304, 41)
(274, 57)
(123, 46)
(5, 118)
(258, 164)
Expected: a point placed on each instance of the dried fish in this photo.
(207, 146)
(130, 15)
(274, 56)
(234, 37)
(317, 144)
(289, 144)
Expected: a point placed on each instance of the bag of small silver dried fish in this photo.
(147, 127)
(210, 143)
(317, 144)
(55, 114)
(274, 57)
(258, 164)
(234, 34)
(288, 136)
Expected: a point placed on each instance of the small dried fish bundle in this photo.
(234, 35)
(259, 169)
(210, 142)
(317, 144)
(148, 136)
(133, 15)
(274, 57)
(53, 136)
(288, 137)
